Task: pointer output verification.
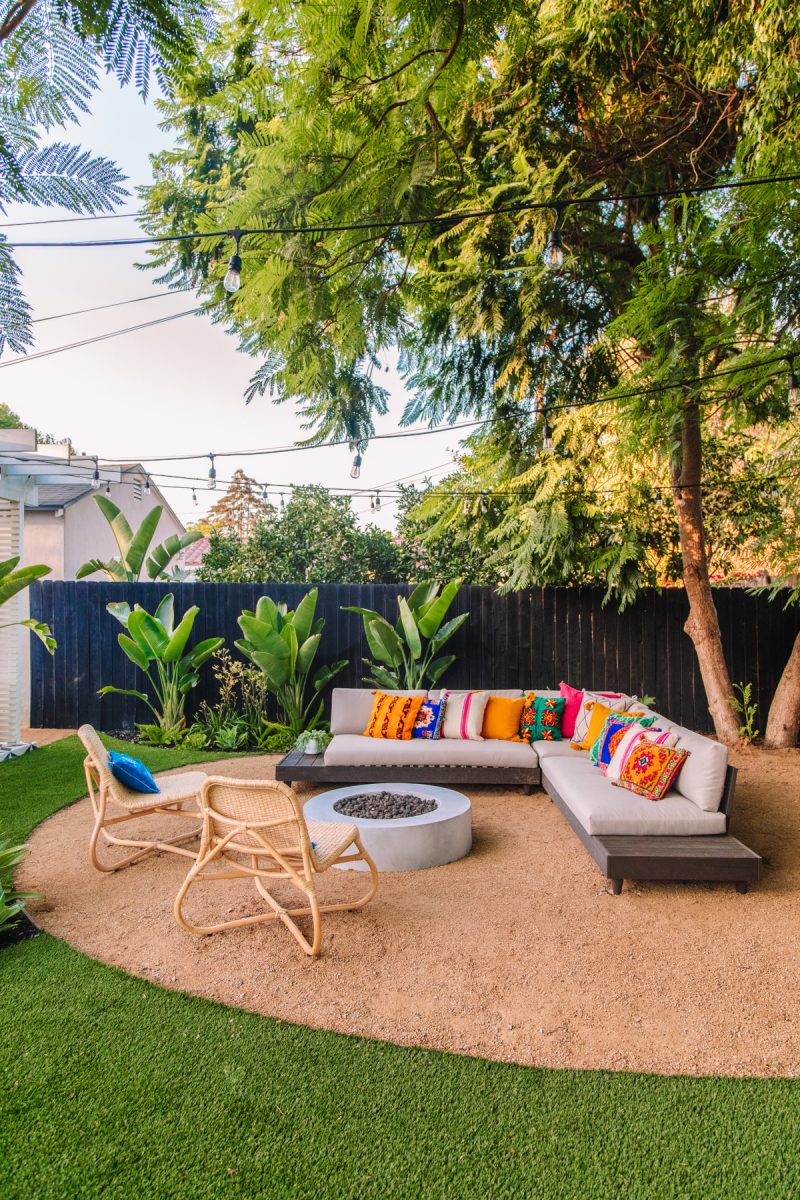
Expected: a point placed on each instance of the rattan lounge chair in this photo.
(256, 829)
(113, 804)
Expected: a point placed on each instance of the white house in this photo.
(47, 515)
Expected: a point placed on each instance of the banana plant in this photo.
(407, 654)
(13, 581)
(284, 645)
(134, 548)
(157, 646)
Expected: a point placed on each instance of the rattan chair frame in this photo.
(104, 791)
(278, 847)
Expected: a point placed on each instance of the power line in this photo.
(555, 203)
(69, 220)
(100, 337)
(79, 312)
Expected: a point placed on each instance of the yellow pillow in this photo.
(501, 718)
(393, 716)
(597, 720)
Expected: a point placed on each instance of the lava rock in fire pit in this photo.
(383, 806)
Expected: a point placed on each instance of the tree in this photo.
(376, 121)
(239, 510)
(135, 550)
(50, 55)
(316, 539)
(8, 418)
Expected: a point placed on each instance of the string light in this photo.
(108, 487)
(212, 474)
(355, 470)
(265, 494)
(553, 256)
(547, 435)
(377, 502)
(283, 504)
(96, 477)
(794, 385)
(147, 485)
(233, 277)
(194, 498)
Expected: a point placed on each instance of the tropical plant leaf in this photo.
(410, 630)
(42, 632)
(134, 651)
(435, 613)
(448, 629)
(307, 652)
(12, 581)
(304, 616)
(439, 665)
(123, 534)
(384, 642)
(326, 673)
(177, 642)
(121, 610)
(140, 541)
(163, 554)
(148, 633)
(165, 613)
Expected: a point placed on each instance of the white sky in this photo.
(174, 389)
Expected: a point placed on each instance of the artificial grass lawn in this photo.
(112, 1087)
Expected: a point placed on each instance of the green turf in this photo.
(111, 1087)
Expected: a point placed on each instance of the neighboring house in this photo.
(191, 559)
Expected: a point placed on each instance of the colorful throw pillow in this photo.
(597, 714)
(614, 726)
(393, 716)
(463, 715)
(651, 770)
(131, 773)
(429, 719)
(574, 699)
(619, 703)
(502, 717)
(548, 712)
(630, 738)
(527, 722)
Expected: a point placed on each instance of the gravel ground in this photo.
(517, 952)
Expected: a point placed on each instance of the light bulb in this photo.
(194, 498)
(96, 477)
(233, 276)
(108, 488)
(547, 437)
(483, 505)
(212, 474)
(377, 502)
(265, 494)
(147, 485)
(465, 507)
(355, 470)
(553, 257)
(283, 503)
(372, 503)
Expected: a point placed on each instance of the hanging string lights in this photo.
(194, 498)
(147, 485)
(233, 276)
(553, 256)
(355, 470)
(212, 474)
(96, 477)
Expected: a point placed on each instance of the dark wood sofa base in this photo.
(308, 768)
(709, 858)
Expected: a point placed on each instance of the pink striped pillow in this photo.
(630, 740)
(463, 715)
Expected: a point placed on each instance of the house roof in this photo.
(193, 555)
(61, 495)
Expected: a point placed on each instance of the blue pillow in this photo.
(429, 719)
(130, 772)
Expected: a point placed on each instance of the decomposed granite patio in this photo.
(517, 952)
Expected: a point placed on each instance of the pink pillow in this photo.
(574, 699)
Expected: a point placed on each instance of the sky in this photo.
(176, 388)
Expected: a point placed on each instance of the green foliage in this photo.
(13, 581)
(321, 736)
(407, 655)
(157, 646)
(317, 539)
(283, 644)
(135, 550)
(747, 708)
(12, 902)
(239, 719)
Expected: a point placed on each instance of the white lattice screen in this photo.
(10, 639)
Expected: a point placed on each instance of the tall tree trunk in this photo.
(702, 625)
(783, 722)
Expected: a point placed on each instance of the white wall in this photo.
(87, 533)
(44, 540)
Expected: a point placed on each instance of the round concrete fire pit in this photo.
(401, 843)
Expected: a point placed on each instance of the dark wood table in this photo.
(717, 858)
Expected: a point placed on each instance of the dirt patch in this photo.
(517, 952)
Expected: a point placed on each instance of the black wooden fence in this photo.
(531, 638)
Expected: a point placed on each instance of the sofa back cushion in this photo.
(702, 777)
(351, 708)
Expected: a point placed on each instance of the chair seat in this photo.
(171, 790)
(330, 838)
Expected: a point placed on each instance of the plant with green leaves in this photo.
(135, 551)
(157, 646)
(747, 708)
(408, 653)
(12, 902)
(284, 644)
(13, 581)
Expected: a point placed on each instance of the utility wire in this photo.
(556, 202)
(79, 312)
(100, 337)
(69, 220)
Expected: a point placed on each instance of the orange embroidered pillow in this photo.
(650, 770)
(597, 719)
(393, 716)
(501, 717)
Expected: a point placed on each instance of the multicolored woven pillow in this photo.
(544, 719)
(650, 770)
(631, 737)
(429, 719)
(393, 716)
(614, 726)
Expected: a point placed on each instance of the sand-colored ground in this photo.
(517, 952)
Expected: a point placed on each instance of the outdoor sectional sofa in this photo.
(685, 836)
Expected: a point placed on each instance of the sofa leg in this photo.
(616, 886)
(528, 789)
(742, 887)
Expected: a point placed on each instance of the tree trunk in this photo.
(783, 722)
(702, 625)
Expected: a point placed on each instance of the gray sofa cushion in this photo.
(348, 749)
(560, 749)
(602, 808)
(350, 707)
(702, 776)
